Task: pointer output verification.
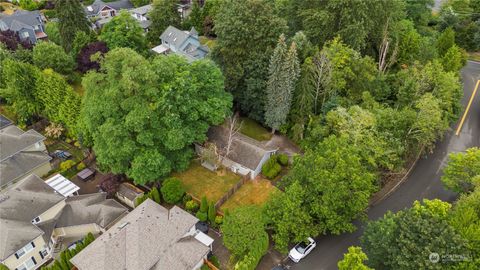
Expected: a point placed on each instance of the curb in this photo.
(407, 174)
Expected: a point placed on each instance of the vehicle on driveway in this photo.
(300, 250)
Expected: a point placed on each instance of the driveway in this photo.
(423, 182)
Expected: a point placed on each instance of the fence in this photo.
(232, 191)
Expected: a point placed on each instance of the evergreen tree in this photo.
(71, 19)
(212, 213)
(163, 14)
(204, 205)
(283, 74)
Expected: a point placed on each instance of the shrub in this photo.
(3, 266)
(204, 267)
(191, 206)
(186, 198)
(50, 13)
(67, 165)
(204, 205)
(172, 190)
(214, 260)
(283, 159)
(202, 216)
(77, 144)
(211, 213)
(155, 195)
(273, 171)
(141, 199)
(81, 166)
(68, 140)
(218, 220)
(54, 131)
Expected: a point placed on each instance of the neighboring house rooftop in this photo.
(149, 237)
(99, 5)
(177, 38)
(143, 10)
(4, 122)
(19, 205)
(88, 209)
(20, 19)
(15, 159)
(244, 150)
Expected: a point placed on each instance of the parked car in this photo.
(300, 250)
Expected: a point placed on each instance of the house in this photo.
(128, 194)
(185, 43)
(22, 153)
(150, 237)
(37, 222)
(246, 156)
(103, 12)
(141, 15)
(29, 25)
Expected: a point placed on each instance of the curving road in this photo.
(423, 181)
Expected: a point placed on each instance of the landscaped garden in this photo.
(254, 130)
(200, 182)
(254, 192)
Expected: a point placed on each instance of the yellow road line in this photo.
(467, 109)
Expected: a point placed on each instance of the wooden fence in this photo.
(232, 191)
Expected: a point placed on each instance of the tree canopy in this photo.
(123, 31)
(71, 19)
(142, 116)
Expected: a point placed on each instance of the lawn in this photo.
(76, 153)
(200, 182)
(253, 192)
(254, 130)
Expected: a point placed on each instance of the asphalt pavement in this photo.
(422, 183)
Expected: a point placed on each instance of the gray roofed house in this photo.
(246, 156)
(149, 237)
(104, 12)
(141, 15)
(19, 205)
(4, 122)
(88, 209)
(22, 153)
(35, 220)
(185, 43)
(28, 24)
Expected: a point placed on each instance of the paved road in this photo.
(423, 182)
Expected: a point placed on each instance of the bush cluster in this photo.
(66, 165)
(172, 190)
(191, 206)
(271, 168)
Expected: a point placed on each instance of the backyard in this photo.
(254, 192)
(200, 182)
(254, 130)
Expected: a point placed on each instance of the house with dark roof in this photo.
(246, 156)
(29, 25)
(150, 237)
(141, 14)
(185, 43)
(22, 153)
(36, 221)
(103, 12)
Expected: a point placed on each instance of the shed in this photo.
(128, 194)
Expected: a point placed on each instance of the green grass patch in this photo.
(77, 153)
(200, 182)
(254, 130)
(251, 193)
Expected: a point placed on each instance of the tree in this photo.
(53, 32)
(163, 14)
(166, 106)
(405, 240)
(247, 33)
(172, 190)
(90, 55)
(445, 41)
(109, 183)
(155, 195)
(59, 101)
(80, 41)
(420, 11)
(454, 59)
(244, 231)
(353, 260)
(3, 267)
(212, 213)
(283, 211)
(20, 91)
(139, 3)
(123, 31)
(195, 18)
(203, 205)
(51, 55)
(283, 74)
(461, 169)
(12, 40)
(71, 19)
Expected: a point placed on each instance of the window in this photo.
(28, 264)
(36, 27)
(25, 35)
(25, 250)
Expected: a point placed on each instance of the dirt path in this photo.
(283, 144)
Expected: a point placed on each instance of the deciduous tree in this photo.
(163, 14)
(51, 55)
(353, 260)
(123, 31)
(461, 169)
